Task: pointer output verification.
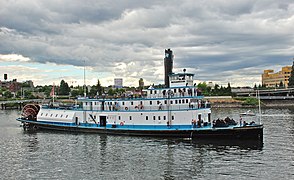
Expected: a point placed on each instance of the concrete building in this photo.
(12, 86)
(118, 82)
(272, 79)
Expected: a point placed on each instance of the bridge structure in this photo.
(287, 93)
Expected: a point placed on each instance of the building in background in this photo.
(118, 82)
(272, 79)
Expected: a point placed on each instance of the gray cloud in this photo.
(218, 40)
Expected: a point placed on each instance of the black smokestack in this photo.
(168, 66)
(5, 77)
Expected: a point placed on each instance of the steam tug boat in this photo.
(177, 111)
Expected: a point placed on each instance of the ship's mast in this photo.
(259, 108)
(85, 89)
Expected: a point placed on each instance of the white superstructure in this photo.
(181, 105)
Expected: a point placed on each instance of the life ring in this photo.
(121, 123)
(126, 108)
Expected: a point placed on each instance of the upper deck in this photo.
(179, 98)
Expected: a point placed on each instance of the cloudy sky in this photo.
(219, 40)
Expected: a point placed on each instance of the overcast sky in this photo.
(219, 40)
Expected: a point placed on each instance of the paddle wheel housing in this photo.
(30, 111)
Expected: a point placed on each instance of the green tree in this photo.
(111, 92)
(93, 91)
(255, 86)
(78, 91)
(202, 86)
(99, 88)
(229, 89)
(64, 88)
(28, 94)
(141, 83)
(281, 84)
(291, 78)
(7, 94)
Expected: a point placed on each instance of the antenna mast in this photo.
(85, 93)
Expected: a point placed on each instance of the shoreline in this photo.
(229, 102)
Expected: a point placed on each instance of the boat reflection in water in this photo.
(227, 144)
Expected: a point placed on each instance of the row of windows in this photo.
(159, 118)
(147, 118)
(180, 90)
(154, 118)
(56, 115)
(180, 101)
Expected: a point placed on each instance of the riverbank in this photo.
(229, 102)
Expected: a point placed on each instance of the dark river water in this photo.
(53, 155)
